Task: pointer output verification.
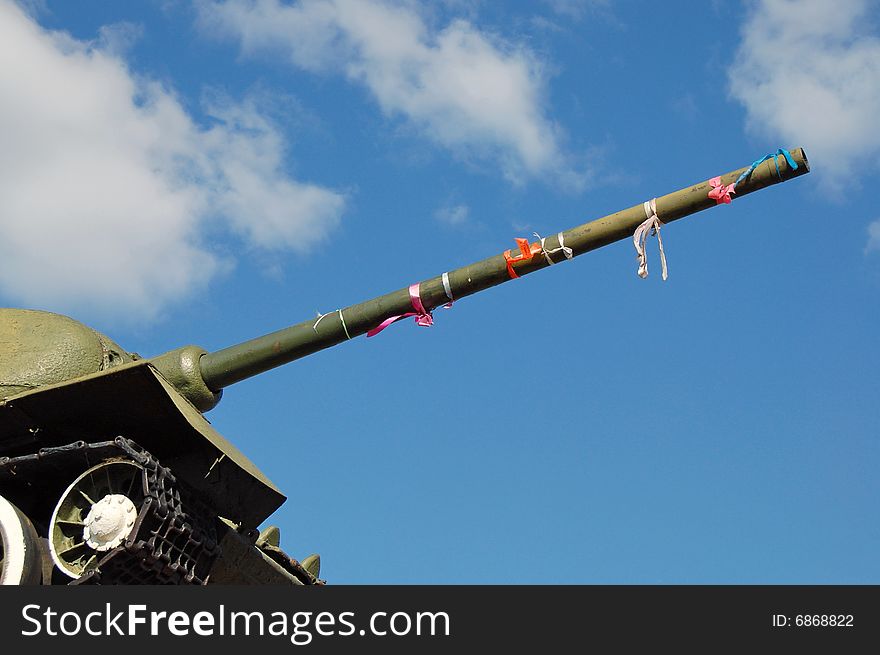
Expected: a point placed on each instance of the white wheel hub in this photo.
(109, 522)
(95, 514)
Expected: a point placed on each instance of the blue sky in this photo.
(202, 173)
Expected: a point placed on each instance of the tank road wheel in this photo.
(96, 514)
(20, 554)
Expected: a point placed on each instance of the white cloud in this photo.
(874, 236)
(808, 73)
(455, 215)
(107, 184)
(118, 38)
(244, 157)
(575, 9)
(465, 89)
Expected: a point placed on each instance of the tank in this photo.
(111, 474)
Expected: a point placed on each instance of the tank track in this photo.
(174, 538)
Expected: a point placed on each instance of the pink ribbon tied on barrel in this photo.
(423, 318)
(720, 192)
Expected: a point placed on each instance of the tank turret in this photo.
(110, 473)
(40, 348)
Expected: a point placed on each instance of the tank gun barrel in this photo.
(229, 365)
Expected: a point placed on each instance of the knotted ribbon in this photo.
(651, 225)
(527, 251)
(341, 320)
(423, 317)
(565, 249)
(447, 287)
(720, 192)
(775, 157)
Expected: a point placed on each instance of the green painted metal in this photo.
(39, 348)
(225, 367)
(181, 368)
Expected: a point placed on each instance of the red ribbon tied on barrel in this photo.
(527, 251)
